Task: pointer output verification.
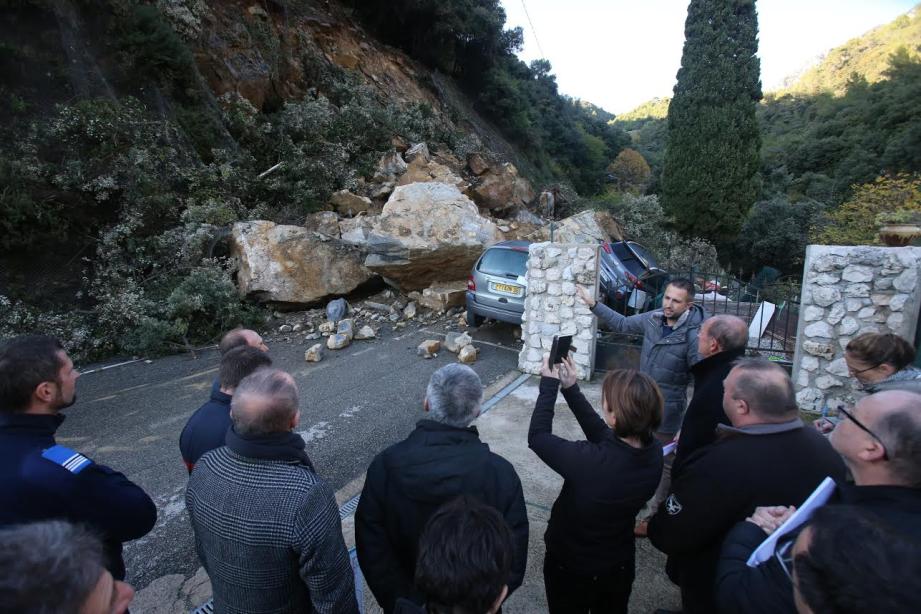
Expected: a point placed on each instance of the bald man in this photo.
(720, 342)
(880, 442)
(239, 337)
(766, 457)
(267, 528)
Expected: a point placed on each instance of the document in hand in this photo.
(817, 499)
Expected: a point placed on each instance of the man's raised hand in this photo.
(585, 296)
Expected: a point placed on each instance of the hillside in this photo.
(867, 56)
(136, 133)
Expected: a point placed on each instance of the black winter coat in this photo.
(766, 589)
(606, 483)
(705, 410)
(206, 429)
(408, 481)
(722, 484)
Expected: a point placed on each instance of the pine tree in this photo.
(710, 175)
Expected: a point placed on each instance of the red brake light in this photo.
(633, 279)
(606, 247)
(471, 285)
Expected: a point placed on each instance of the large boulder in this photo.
(390, 166)
(503, 188)
(427, 232)
(324, 223)
(289, 264)
(585, 227)
(421, 170)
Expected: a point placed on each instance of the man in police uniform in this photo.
(40, 480)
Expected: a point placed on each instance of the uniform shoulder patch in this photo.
(65, 457)
(672, 506)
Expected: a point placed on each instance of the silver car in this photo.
(496, 287)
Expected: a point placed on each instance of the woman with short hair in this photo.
(608, 477)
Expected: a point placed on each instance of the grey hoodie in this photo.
(667, 360)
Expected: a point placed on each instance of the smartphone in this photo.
(560, 348)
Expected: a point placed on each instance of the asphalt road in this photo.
(354, 403)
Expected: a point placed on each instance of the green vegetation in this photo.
(710, 172)
(564, 139)
(866, 56)
(820, 152)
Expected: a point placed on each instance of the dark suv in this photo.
(496, 287)
(630, 277)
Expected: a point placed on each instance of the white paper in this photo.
(817, 499)
(637, 299)
(669, 448)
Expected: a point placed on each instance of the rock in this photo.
(455, 341)
(477, 163)
(336, 309)
(428, 232)
(906, 281)
(297, 328)
(897, 303)
(365, 332)
(440, 297)
(288, 264)
(377, 306)
(428, 348)
(819, 329)
(285, 328)
(346, 327)
(345, 60)
(314, 353)
(856, 273)
(837, 367)
(835, 314)
(313, 336)
(812, 313)
(503, 188)
(390, 167)
(346, 203)
(848, 326)
(423, 171)
(462, 323)
(824, 296)
(419, 151)
(824, 382)
(338, 341)
(327, 327)
(324, 223)
(809, 363)
(355, 231)
(818, 348)
(467, 354)
(409, 312)
(399, 143)
(586, 227)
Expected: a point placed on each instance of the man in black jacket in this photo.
(880, 441)
(440, 460)
(720, 342)
(41, 480)
(767, 457)
(207, 427)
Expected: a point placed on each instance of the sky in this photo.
(620, 53)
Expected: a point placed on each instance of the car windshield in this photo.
(507, 262)
(627, 257)
(643, 253)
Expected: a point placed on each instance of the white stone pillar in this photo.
(847, 291)
(552, 308)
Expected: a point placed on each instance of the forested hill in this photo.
(824, 151)
(866, 56)
(134, 133)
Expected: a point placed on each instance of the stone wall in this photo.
(848, 291)
(552, 307)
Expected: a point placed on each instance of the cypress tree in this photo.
(710, 174)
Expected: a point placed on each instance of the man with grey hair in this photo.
(267, 529)
(56, 567)
(766, 457)
(720, 343)
(441, 459)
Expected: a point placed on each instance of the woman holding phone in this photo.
(608, 477)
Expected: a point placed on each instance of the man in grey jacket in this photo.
(669, 350)
(267, 529)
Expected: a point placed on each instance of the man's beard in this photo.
(63, 405)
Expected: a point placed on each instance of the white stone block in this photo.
(569, 328)
(856, 290)
(812, 313)
(554, 289)
(535, 355)
(824, 382)
(894, 321)
(856, 273)
(848, 326)
(553, 274)
(853, 304)
(566, 313)
(825, 296)
(907, 280)
(807, 397)
(802, 380)
(898, 302)
(866, 312)
(835, 314)
(819, 329)
(809, 363)
(838, 367)
(553, 252)
(881, 299)
(586, 335)
(586, 253)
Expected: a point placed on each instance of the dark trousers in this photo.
(572, 592)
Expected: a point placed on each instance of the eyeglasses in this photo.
(783, 552)
(852, 372)
(863, 428)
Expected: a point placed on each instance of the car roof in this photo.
(515, 245)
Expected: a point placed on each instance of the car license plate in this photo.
(507, 289)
